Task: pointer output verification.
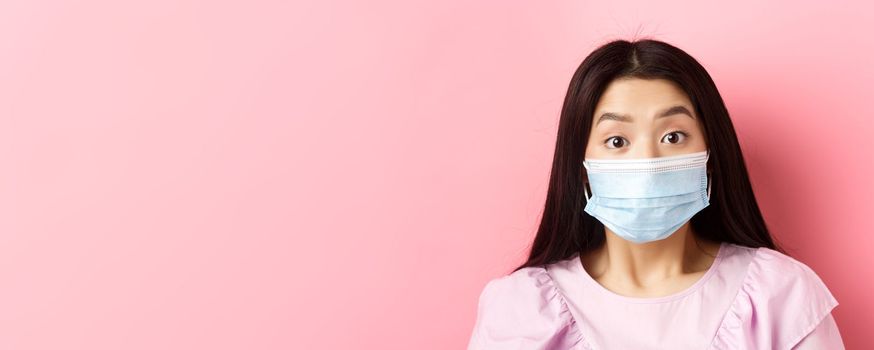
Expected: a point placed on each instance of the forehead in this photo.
(642, 95)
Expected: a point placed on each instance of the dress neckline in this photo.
(592, 283)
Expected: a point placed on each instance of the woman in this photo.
(651, 237)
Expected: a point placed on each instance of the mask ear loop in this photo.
(585, 188)
(709, 181)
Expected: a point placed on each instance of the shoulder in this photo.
(779, 276)
(523, 310)
(780, 301)
(531, 284)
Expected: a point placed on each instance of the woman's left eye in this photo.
(674, 137)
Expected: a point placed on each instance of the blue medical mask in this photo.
(647, 199)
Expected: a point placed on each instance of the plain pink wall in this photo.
(332, 175)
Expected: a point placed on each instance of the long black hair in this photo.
(733, 215)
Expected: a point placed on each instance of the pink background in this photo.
(333, 175)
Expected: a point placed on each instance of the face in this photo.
(644, 118)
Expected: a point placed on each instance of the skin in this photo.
(662, 267)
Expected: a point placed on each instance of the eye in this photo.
(674, 136)
(612, 141)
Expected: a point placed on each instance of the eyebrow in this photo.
(675, 110)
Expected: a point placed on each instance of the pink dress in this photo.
(750, 298)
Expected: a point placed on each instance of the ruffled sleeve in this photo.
(780, 302)
(524, 310)
(825, 336)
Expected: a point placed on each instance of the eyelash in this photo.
(668, 133)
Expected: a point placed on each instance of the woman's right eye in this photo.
(616, 141)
